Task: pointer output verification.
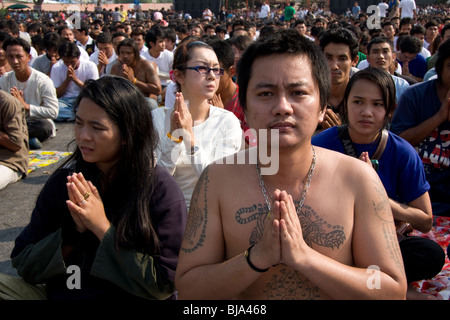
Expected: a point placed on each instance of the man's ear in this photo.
(231, 71)
(355, 61)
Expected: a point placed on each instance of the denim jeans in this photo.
(66, 112)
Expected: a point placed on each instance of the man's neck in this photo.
(337, 94)
(228, 93)
(154, 52)
(23, 76)
(84, 41)
(293, 166)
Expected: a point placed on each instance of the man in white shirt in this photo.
(68, 76)
(105, 55)
(33, 89)
(67, 34)
(138, 35)
(265, 11)
(157, 53)
(383, 6)
(84, 39)
(407, 9)
(381, 54)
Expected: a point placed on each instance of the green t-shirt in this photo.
(289, 13)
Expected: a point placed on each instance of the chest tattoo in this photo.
(315, 230)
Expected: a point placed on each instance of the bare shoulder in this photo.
(344, 166)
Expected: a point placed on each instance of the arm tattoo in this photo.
(390, 236)
(315, 229)
(195, 233)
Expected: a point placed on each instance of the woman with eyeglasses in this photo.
(194, 133)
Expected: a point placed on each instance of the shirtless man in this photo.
(253, 244)
(140, 72)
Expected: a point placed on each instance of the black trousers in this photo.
(41, 129)
(423, 258)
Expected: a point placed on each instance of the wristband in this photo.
(135, 80)
(174, 139)
(247, 257)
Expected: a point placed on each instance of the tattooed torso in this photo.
(283, 283)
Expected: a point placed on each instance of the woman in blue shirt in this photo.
(368, 104)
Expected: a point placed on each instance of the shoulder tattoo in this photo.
(195, 232)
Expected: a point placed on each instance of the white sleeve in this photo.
(49, 108)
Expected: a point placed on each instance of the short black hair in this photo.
(10, 25)
(69, 50)
(4, 36)
(224, 52)
(153, 34)
(285, 41)
(410, 44)
(84, 27)
(17, 42)
(341, 36)
(104, 37)
(378, 40)
(51, 40)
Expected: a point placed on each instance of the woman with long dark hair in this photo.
(109, 211)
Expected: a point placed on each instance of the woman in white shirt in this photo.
(194, 133)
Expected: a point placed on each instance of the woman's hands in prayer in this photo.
(86, 206)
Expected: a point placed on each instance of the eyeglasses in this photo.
(205, 70)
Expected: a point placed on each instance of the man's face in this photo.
(283, 96)
(340, 62)
(53, 53)
(78, 34)
(72, 62)
(210, 32)
(407, 56)
(195, 31)
(301, 28)
(406, 28)
(420, 36)
(17, 58)
(432, 32)
(160, 45)
(396, 23)
(139, 39)
(389, 31)
(106, 48)
(126, 55)
(381, 56)
(67, 34)
(116, 42)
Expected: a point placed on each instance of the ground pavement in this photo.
(17, 200)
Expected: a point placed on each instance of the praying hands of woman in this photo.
(181, 120)
(86, 206)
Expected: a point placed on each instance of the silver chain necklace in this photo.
(306, 185)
